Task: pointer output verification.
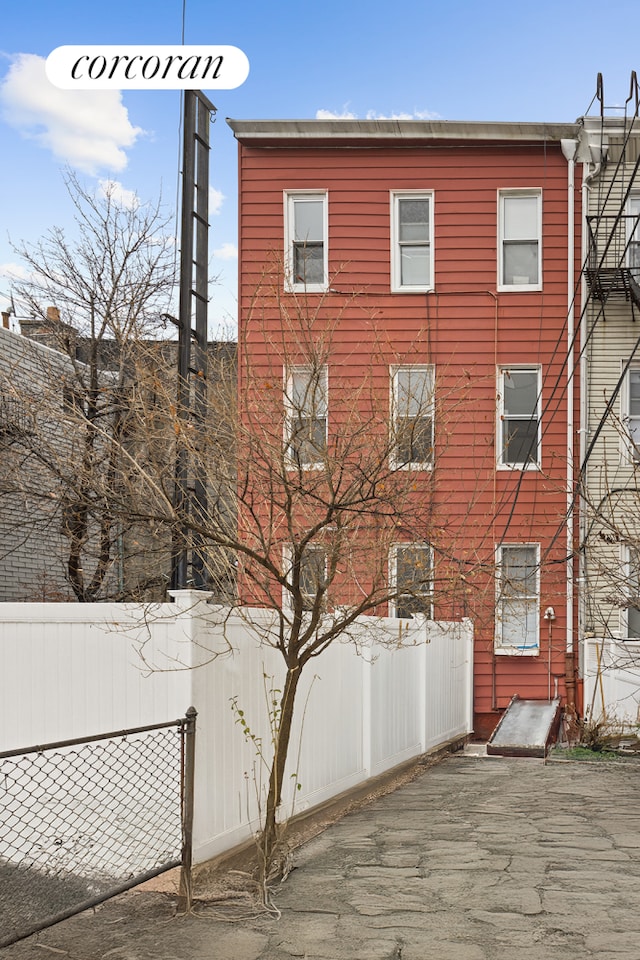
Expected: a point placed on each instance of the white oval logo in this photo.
(146, 67)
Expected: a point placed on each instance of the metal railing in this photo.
(83, 820)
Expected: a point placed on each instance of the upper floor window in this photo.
(306, 240)
(520, 240)
(306, 401)
(412, 576)
(633, 234)
(519, 417)
(412, 403)
(631, 415)
(411, 242)
(518, 599)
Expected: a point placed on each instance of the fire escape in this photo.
(612, 267)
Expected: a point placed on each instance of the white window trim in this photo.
(393, 575)
(631, 227)
(396, 284)
(500, 464)
(627, 569)
(518, 192)
(287, 560)
(499, 648)
(290, 412)
(627, 456)
(290, 196)
(393, 370)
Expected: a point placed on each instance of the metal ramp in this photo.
(526, 728)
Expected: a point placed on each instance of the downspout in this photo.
(569, 150)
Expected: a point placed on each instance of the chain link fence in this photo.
(83, 820)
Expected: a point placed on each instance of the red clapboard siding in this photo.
(465, 327)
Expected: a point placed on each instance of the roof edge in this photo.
(253, 131)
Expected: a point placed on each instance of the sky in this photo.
(500, 60)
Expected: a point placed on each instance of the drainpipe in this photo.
(569, 150)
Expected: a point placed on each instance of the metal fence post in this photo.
(185, 891)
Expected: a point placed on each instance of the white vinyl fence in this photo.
(612, 680)
(393, 691)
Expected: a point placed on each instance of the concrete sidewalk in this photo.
(476, 859)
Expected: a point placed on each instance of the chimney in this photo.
(5, 319)
(53, 315)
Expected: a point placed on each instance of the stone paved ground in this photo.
(477, 859)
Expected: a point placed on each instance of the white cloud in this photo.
(13, 271)
(216, 199)
(374, 115)
(330, 115)
(228, 251)
(87, 129)
(416, 115)
(119, 195)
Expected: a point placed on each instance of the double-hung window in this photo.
(518, 599)
(306, 403)
(631, 415)
(411, 242)
(631, 612)
(520, 240)
(312, 576)
(411, 577)
(412, 404)
(306, 240)
(519, 417)
(633, 235)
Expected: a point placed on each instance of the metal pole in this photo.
(179, 553)
(188, 786)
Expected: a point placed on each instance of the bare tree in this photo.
(110, 283)
(321, 512)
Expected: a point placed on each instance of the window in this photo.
(412, 390)
(630, 614)
(306, 240)
(517, 603)
(306, 403)
(519, 417)
(633, 235)
(631, 415)
(313, 575)
(412, 242)
(520, 241)
(411, 574)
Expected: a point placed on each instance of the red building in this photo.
(447, 252)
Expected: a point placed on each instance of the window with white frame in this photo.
(412, 405)
(306, 401)
(631, 415)
(518, 598)
(412, 577)
(520, 240)
(633, 235)
(312, 575)
(306, 239)
(519, 417)
(412, 241)
(631, 612)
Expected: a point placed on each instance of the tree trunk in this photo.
(269, 838)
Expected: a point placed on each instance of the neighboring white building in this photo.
(610, 349)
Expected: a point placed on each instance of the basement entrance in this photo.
(526, 728)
